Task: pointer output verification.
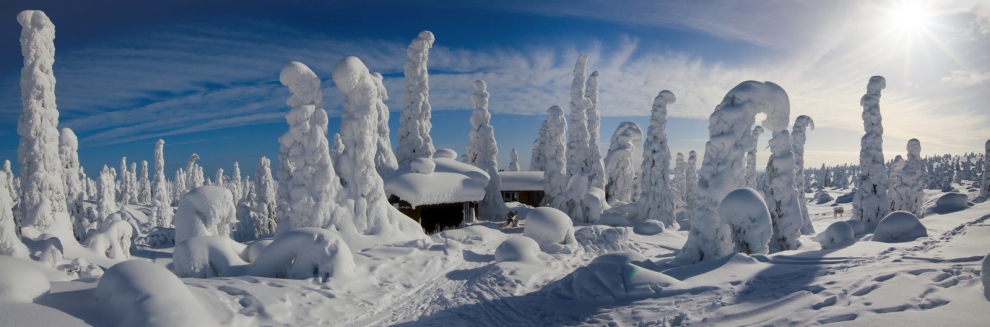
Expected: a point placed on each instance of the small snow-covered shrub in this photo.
(81, 268)
(113, 240)
(20, 281)
(602, 239)
(899, 226)
(838, 234)
(208, 256)
(159, 237)
(748, 218)
(304, 253)
(141, 293)
(517, 248)
(649, 227)
(205, 211)
(549, 227)
(617, 276)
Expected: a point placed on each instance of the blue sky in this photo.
(203, 75)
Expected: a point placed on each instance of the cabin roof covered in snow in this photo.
(521, 180)
(450, 182)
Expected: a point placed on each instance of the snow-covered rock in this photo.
(649, 227)
(204, 211)
(899, 226)
(838, 234)
(21, 281)
(858, 228)
(617, 276)
(517, 248)
(141, 293)
(549, 227)
(748, 221)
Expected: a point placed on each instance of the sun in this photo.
(909, 17)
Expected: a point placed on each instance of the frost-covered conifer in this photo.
(801, 125)
(619, 167)
(144, 185)
(179, 186)
(121, 182)
(513, 160)
(194, 173)
(596, 174)
(307, 185)
(42, 194)
(132, 181)
(10, 243)
(722, 169)
(234, 185)
(678, 183)
(691, 182)
(656, 200)
(482, 152)
(161, 201)
(219, 180)
(910, 195)
(985, 181)
(538, 160)
(577, 136)
(870, 204)
(751, 159)
(9, 185)
(337, 149)
(73, 179)
(895, 177)
(554, 150)
(782, 196)
(414, 121)
(384, 158)
(263, 210)
(106, 205)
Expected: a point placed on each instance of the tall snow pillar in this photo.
(802, 124)
(870, 204)
(657, 198)
(414, 121)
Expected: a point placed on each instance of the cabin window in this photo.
(510, 196)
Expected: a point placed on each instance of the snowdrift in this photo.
(141, 293)
(617, 276)
(838, 234)
(949, 203)
(21, 281)
(549, 227)
(899, 226)
(517, 248)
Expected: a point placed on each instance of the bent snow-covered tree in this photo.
(42, 194)
(722, 168)
(620, 171)
(555, 150)
(596, 172)
(656, 200)
(751, 158)
(870, 202)
(385, 161)
(414, 121)
(482, 152)
(782, 196)
(801, 126)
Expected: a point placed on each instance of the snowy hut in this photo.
(437, 192)
(525, 187)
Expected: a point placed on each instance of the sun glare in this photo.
(909, 16)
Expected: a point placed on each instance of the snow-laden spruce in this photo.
(308, 186)
(721, 172)
(782, 197)
(870, 204)
(42, 194)
(178, 186)
(194, 173)
(263, 206)
(596, 165)
(10, 243)
(385, 161)
(106, 204)
(801, 126)
(894, 178)
(910, 195)
(538, 160)
(985, 180)
(234, 183)
(577, 134)
(482, 152)
(656, 200)
(414, 121)
(555, 169)
(144, 185)
(619, 167)
(678, 183)
(691, 184)
(751, 158)
(513, 160)
(219, 179)
(73, 179)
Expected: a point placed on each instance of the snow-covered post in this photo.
(985, 181)
(801, 126)
(619, 167)
(691, 181)
(42, 192)
(751, 159)
(385, 161)
(308, 185)
(414, 121)
(596, 172)
(73, 179)
(263, 210)
(679, 184)
(513, 160)
(482, 152)
(555, 150)
(870, 204)
(722, 167)
(657, 198)
(538, 160)
(363, 191)
(782, 196)
(161, 202)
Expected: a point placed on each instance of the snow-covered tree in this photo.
(721, 172)
(619, 167)
(337, 149)
(122, 182)
(385, 161)
(263, 210)
(105, 204)
(656, 200)
(751, 159)
(161, 201)
(870, 204)
(178, 186)
(577, 133)
(10, 243)
(73, 179)
(42, 194)
(132, 181)
(513, 160)
(691, 183)
(554, 150)
(895, 177)
(910, 195)
(782, 196)
(308, 185)
(800, 134)
(9, 185)
(538, 160)
(482, 152)
(596, 174)
(235, 185)
(985, 181)
(678, 183)
(414, 121)
(194, 173)
(144, 185)
(219, 179)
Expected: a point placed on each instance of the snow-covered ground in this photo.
(456, 280)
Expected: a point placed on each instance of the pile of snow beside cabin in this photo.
(611, 275)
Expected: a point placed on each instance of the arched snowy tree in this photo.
(73, 179)
(782, 196)
(555, 150)
(596, 165)
(619, 167)
(42, 194)
(722, 167)
(385, 161)
(870, 202)
(801, 126)
(513, 160)
(161, 201)
(538, 160)
(577, 136)
(414, 121)
(910, 193)
(482, 152)
(656, 200)
(751, 159)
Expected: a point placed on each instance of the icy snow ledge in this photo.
(899, 226)
(617, 276)
(20, 281)
(141, 293)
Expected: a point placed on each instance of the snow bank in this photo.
(949, 202)
(899, 226)
(602, 239)
(858, 228)
(423, 166)
(141, 293)
(304, 253)
(208, 256)
(617, 276)
(517, 248)
(20, 281)
(204, 211)
(748, 218)
(649, 227)
(838, 234)
(549, 227)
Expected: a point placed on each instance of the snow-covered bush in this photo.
(619, 167)
(555, 169)
(414, 121)
(798, 136)
(482, 151)
(598, 282)
(594, 205)
(596, 172)
(781, 197)
(113, 240)
(21, 281)
(80, 268)
(549, 227)
(602, 239)
(517, 248)
(838, 234)
(656, 200)
(871, 203)
(751, 158)
(208, 256)
(142, 293)
(204, 211)
(649, 227)
(899, 226)
(304, 253)
(748, 220)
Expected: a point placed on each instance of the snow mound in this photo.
(602, 239)
(846, 198)
(549, 227)
(445, 153)
(899, 226)
(476, 234)
(423, 166)
(822, 198)
(838, 234)
(20, 281)
(141, 293)
(80, 268)
(304, 253)
(208, 256)
(113, 241)
(649, 227)
(858, 228)
(748, 218)
(949, 203)
(517, 248)
(204, 211)
(159, 237)
(617, 276)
